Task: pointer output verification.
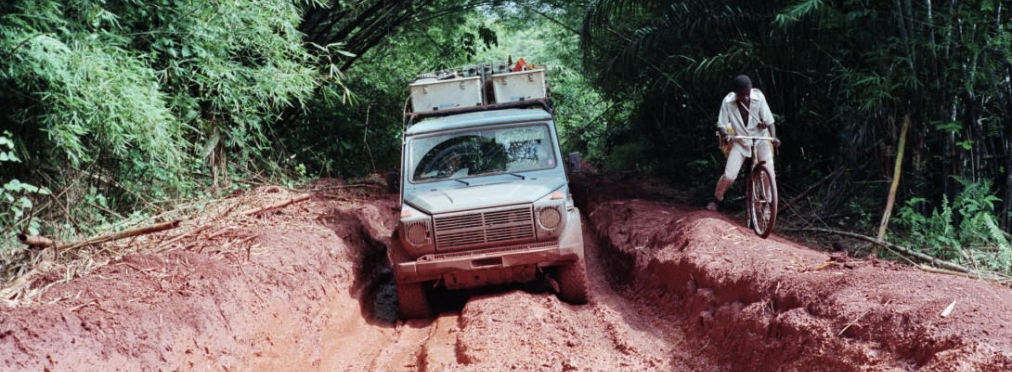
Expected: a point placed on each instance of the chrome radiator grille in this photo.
(472, 229)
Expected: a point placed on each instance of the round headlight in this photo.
(418, 233)
(549, 217)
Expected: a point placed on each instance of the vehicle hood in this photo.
(481, 196)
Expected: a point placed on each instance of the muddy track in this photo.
(308, 288)
(525, 327)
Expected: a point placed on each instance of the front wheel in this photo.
(572, 279)
(762, 201)
(412, 301)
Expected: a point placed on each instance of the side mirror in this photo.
(393, 181)
(573, 160)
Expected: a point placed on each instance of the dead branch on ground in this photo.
(278, 205)
(355, 186)
(946, 266)
(896, 248)
(46, 242)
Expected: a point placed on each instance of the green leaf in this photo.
(951, 126)
(13, 185)
(25, 202)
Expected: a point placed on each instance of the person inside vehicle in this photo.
(743, 112)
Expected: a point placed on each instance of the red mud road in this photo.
(306, 288)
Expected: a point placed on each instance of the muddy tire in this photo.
(573, 283)
(412, 302)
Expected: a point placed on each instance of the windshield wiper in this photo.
(463, 182)
(517, 175)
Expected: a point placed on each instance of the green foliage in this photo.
(966, 231)
(16, 199)
(231, 68)
(122, 105)
(334, 138)
(88, 93)
(545, 34)
(149, 95)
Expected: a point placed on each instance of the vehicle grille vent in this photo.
(474, 229)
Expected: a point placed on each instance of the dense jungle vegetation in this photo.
(115, 110)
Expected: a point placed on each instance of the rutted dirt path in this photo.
(306, 288)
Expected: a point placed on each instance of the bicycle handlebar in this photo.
(751, 138)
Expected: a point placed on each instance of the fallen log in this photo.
(46, 242)
(278, 205)
(898, 249)
(37, 241)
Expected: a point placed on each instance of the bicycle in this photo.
(760, 192)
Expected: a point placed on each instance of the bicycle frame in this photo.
(761, 191)
(752, 141)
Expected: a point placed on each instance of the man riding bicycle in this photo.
(743, 112)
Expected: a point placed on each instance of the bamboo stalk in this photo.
(897, 173)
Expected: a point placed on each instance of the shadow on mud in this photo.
(619, 266)
(373, 284)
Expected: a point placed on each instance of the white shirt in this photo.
(730, 118)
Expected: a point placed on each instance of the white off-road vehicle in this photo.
(484, 190)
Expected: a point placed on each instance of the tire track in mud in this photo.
(525, 327)
(414, 345)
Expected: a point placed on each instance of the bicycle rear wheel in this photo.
(762, 201)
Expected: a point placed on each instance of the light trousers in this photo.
(735, 159)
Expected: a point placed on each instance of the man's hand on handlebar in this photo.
(724, 137)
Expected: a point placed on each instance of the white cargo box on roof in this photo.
(519, 86)
(433, 95)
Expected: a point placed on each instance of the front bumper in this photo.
(568, 249)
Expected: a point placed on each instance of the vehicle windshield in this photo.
(474, 153)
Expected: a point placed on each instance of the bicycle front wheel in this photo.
(762, 201)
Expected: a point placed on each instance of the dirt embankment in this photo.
(279, 290)
(306, 288)
(772, 305)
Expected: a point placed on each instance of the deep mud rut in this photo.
(307, 288)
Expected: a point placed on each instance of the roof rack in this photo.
(479, 87)
(413, 117)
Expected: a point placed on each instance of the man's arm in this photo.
(722, 121)
(767, 120)
(773, 133)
